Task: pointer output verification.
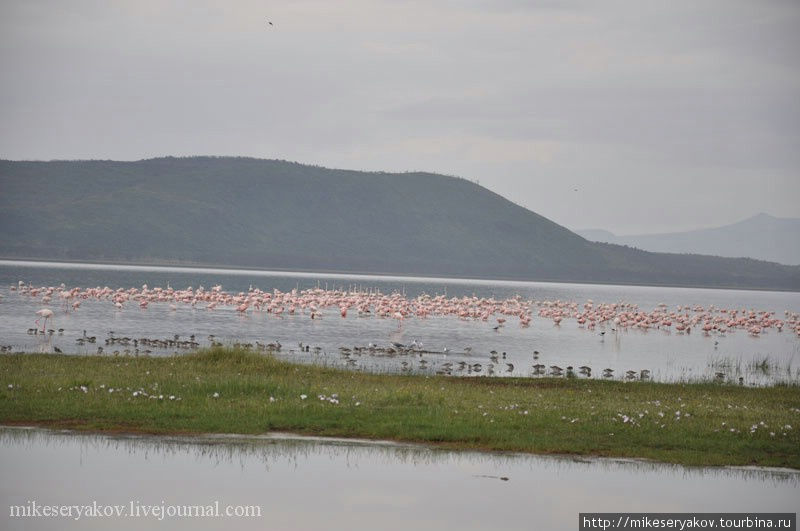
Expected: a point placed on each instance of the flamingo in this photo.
(47, 313)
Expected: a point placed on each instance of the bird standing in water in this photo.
(47, 314)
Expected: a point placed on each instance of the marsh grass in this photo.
(763, 365)
(726, 364)
(237, 391)
(764, 368)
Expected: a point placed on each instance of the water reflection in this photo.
(270, 449)
(309, 483)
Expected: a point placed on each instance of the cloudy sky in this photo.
(663, 115)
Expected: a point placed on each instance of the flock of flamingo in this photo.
(313, 303)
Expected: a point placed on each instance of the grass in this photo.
(237, 391)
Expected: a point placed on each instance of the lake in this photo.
(770, 357)
(315, 483)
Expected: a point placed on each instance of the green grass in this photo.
(565, 416)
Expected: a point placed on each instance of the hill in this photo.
(763, 237)
(282, 215)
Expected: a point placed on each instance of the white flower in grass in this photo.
(303, 397)
(215, 395)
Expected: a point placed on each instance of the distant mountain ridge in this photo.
(762, 237)
(273, 214)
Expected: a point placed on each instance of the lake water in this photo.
(668, 355)
(302, 483)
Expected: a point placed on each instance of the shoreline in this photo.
(224, 438)
(230, 269)
(235, 391)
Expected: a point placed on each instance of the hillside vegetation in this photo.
(281, 215)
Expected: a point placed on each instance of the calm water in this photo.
(352, 485)
(667, 355)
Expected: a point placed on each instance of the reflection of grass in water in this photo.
(778, 372)
(766, 366)
(726, 364)
(280, 449)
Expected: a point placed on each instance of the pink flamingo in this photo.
(47, 313)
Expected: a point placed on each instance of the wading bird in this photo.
(47, 313)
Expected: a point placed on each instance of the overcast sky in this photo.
(663, 115)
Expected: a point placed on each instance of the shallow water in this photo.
(333, 484)
(668, 355)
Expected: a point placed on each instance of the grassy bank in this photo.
(229, 391)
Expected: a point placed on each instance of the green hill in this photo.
(281, 215)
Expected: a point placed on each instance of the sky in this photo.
(635, 117)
